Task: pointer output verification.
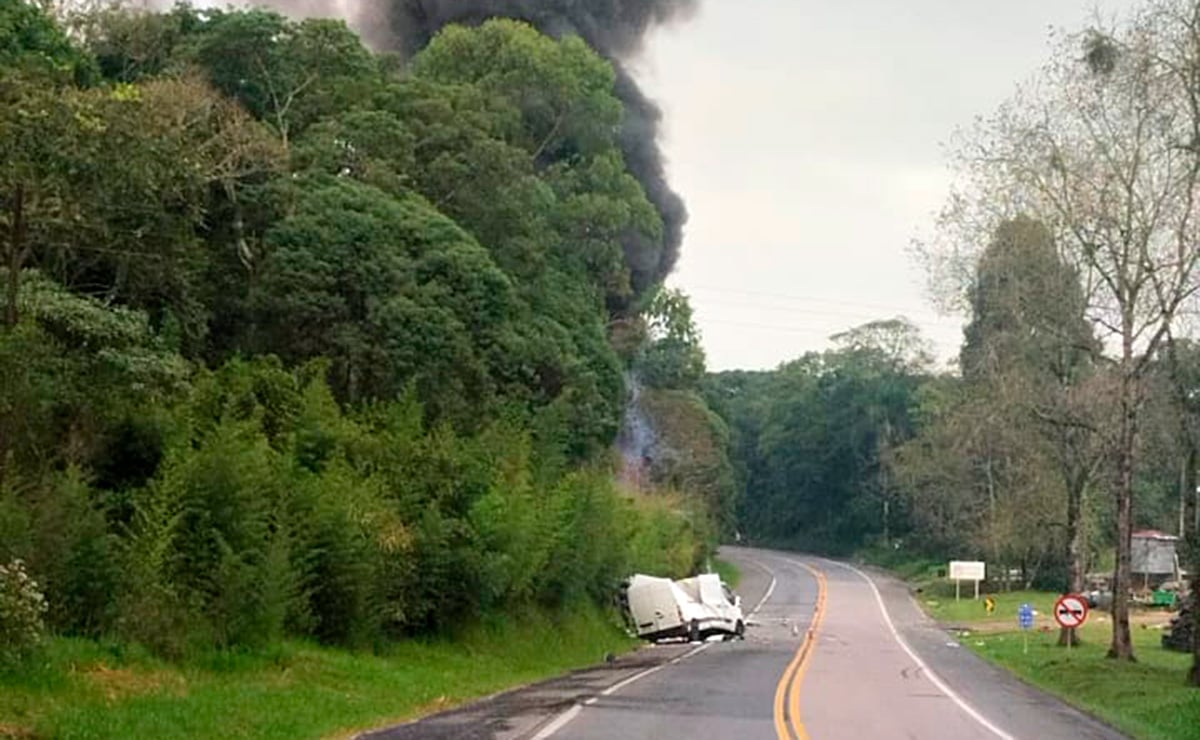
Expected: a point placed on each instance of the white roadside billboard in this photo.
(967, 570)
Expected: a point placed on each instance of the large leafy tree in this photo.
(1031, 351)
(1172, 445)
(392, 291)
(30, 39)
(555, 102)
(1028, 310)
(562, 90)
(40, 143)
(108, 190)
(287, 74)
(673, 357)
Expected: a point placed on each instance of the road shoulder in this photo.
(523, 711)
(1004, 699)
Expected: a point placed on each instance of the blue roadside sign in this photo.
(1025, 616)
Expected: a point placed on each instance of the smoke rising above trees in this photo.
(614, 28)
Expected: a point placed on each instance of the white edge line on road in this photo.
(565, 718)
(929, 672)
(770, 588)
(559, 722)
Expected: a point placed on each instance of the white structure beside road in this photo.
(967, 570)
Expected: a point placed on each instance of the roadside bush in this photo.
(15, 530)
(22, 607)
(599, 535)
(261, 509)
(231, 545)
(510, 527)
(151, 610)
(73, 555)
(360, 560)
(666, 540)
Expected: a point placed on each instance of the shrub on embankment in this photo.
(267, 511)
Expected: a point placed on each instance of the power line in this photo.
(814, 299)
(768, 327)
(804, 330)
(863, 316)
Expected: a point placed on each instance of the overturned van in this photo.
(693, 608)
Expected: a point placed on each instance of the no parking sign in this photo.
(1071, 611)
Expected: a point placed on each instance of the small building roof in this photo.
(1154, 534)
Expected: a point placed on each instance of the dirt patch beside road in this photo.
(1157, 620)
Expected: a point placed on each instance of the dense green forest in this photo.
(811, 440)
(304, 340)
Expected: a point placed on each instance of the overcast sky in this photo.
(807, 139)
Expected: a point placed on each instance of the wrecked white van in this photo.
(693, 608)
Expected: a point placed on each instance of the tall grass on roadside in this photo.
(89, 689)
(1147, 699)
(730, 573)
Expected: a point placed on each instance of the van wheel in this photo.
(740, 630)
(694, 631)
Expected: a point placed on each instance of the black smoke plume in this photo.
(615, 29)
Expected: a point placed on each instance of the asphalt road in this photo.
(831, 652)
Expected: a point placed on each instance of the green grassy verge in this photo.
(943, 607)
(729, 572)
(83, 689)
(1147, 699)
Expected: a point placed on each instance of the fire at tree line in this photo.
(302, 339)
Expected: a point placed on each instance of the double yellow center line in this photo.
(787, 694)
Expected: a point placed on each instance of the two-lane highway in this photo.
(729, 689)
(831, 652)
(865, 681)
